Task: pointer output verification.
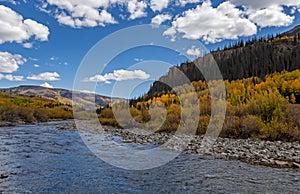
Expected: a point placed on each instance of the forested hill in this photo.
(258, 57)
(60, 95)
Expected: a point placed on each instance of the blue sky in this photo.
(43, 42)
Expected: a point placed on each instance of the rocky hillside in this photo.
(258, 57)
(293, 32)
(60, 95)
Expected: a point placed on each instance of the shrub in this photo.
(249, 126)
(109, 121)
(203, 124)
(275, 130)
(232, 127)
(269, 105)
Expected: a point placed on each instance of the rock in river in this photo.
(4, 176)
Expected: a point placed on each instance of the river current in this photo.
(43, 159)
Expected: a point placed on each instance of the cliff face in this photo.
(257, 58)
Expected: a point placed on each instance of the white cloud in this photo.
(33, 59)
(184, 2)
(65, 20)
(273, 16)
(92, 13)
(54, 58)
(158, 5)
(46, 85)
(46, 76)
(36, 65)
(268, 12)
(39, 31)
(15, 29)
(10, 77)
(212, 24)
(77, 14)
(27, 45)
(293, 10)
(88, 91)
(193, 51)
(119, 75)
(9, 63)
(259, 4)
(136, 9)
(159, 19)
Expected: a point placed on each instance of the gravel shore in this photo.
(259, 152)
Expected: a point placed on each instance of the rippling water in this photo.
(43, 159)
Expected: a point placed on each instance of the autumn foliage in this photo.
(256, 108)
(24, 109)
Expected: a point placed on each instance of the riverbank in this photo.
(68, 122)
(258, 152)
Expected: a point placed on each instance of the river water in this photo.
(44, 159)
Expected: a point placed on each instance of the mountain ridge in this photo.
(61, 95)
(256, 58)
(293, 32)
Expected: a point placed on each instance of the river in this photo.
(43, 159)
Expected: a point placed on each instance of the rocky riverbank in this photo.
(259, 152)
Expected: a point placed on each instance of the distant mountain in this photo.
(60, 95)
(258, 57)
(293, 32)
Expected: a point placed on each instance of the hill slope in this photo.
(16, 109)
(293, 32)
(60, 95)
(256, 58)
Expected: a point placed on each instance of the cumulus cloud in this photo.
(36, 65)
(46, 76)
(46, 85)
(259, 4)
(158, 5)
(10, 77)
(136, 9)
(9, 63)
(212, 24)
(119, 75)
(228, 20)
(82, 19)
(161, 18)
(15, 29)
(82, 13)
(268, 13)
(193, 51)
(92, 13)
(273, 16)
